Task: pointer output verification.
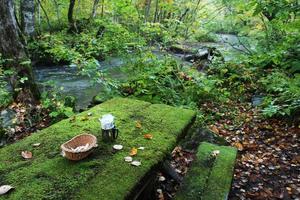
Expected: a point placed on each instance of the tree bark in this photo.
(71, 21)
(24, 87)
(156, 11)
(27, 17)
(102, 8)
(147, 9)
(95, 6)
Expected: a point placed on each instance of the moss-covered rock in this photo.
(103, 175)
(210, 176)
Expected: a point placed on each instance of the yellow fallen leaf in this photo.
(138, 124)
(148, 136)
(73, 119)
(133, 151)
(239, 146)
(85, 118)
(214, 129)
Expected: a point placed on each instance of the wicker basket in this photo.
(80, 140)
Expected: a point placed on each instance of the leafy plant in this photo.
(283, 94)
(160, 80)
(58, 106)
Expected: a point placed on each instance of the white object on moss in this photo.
(107, 121)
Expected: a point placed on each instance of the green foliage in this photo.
(62, 47)
(58, 106)
(163, 80)
(5, 95)
(275, 59)
(156, 32)
(283, 94)
(235, 78)
(53, 48)
(204, 36)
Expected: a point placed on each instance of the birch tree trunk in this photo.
(24, 87)
(27, 8)
(95, 6)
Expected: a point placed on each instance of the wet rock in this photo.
(205, 53)
(7, 117)
(197, 135)
(181, 49)
(257, 100)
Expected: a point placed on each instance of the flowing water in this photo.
(70, 82)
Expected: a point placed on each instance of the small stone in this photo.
(128, 159)
(159, 191)
(136, 163)
(161, 178)
(90, 114)
(118, 147)
(141, 148)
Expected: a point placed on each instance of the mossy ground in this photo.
(208, 178)
(103, 175)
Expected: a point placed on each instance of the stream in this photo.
(81, 87)
(67, 79)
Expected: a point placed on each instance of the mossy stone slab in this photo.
(104, 174)
(209, 177)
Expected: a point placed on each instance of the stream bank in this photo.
(67, 78)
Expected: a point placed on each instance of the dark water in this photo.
(70, 82)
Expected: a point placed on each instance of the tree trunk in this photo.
(95, 6)
(71, 21)
(156, 11)
(24, 87)
(102, 8)
(57, 11)
(27, 17)
(147, 9)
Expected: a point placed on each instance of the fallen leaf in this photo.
(133, 151)
(136, 163)
(148, 136)
(128, 159)
(118, 147)
(26, 154)
(138, 124)
(72, 119)
(161, 196)
(239, 146)
(5, 188)
(85, 118)
(36, 144)
(161, 178)
(215, 153)
(214, 129)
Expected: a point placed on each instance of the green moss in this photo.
(209, 178)
(103, 175)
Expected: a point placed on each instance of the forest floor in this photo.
(268, 164)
